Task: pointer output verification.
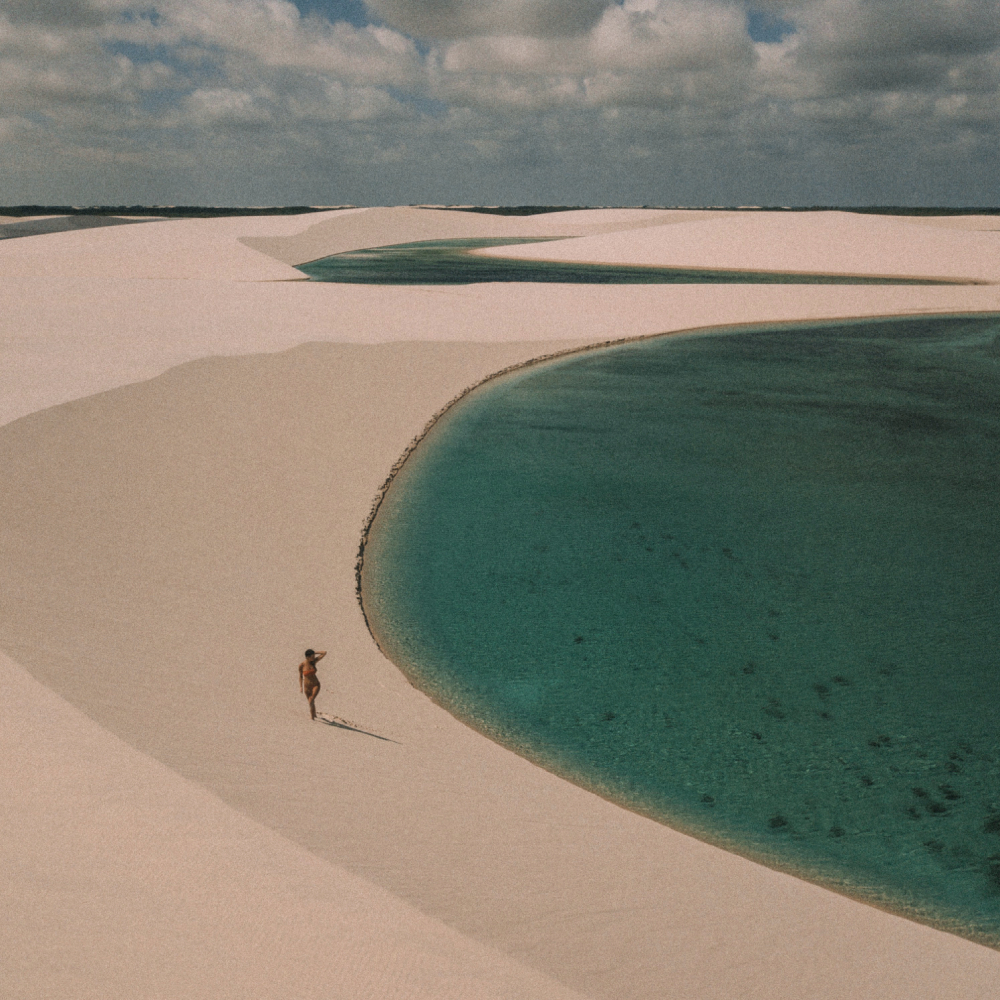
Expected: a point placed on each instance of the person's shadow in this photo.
(341, 724)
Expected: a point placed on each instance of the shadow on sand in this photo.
(342, 724)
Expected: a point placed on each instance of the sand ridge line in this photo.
(837, 243)
(380, 227)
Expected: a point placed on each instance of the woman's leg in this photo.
(311, 691)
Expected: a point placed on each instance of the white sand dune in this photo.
(170, 249)
(179, 517)
(70, 337)
(817, 242)
(343, 232)
(234, 249)
(983, 223)
(124, 880)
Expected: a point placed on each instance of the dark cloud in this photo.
(55, 13)
(857, 46)
(449, 19)
(913, 27)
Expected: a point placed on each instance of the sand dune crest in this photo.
(821, 242)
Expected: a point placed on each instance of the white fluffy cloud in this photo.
(645, 52)
(655, 101)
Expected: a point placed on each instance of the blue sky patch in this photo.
(763, 26)
(352, 11)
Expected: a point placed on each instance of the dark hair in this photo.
(310, 652)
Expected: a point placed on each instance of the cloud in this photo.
(60, 13)
(450, 19)
(272, 33)
(639, 100)
(855, 46)
(641, 52)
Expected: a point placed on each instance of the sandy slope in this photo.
(169, 546)
(170, 249)
(342, 232)
(14, 228)
(68, 337)
(124, 880)
(831, 242)
(984, 223)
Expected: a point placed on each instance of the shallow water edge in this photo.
(547, 756)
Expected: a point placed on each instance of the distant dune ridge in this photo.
(337, 234)
(833, 242)
(192, 438)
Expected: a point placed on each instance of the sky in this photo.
(562, 102)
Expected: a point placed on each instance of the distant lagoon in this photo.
(449, 262)
(744, 582)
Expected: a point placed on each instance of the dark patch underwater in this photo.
(743, 582)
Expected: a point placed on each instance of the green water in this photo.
(743, 582)
(448, 262)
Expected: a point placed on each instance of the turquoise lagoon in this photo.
(744, 582)
(448, 262)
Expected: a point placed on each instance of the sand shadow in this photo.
(62, 224)
(341, 724)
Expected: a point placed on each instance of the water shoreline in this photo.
(548, 758)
